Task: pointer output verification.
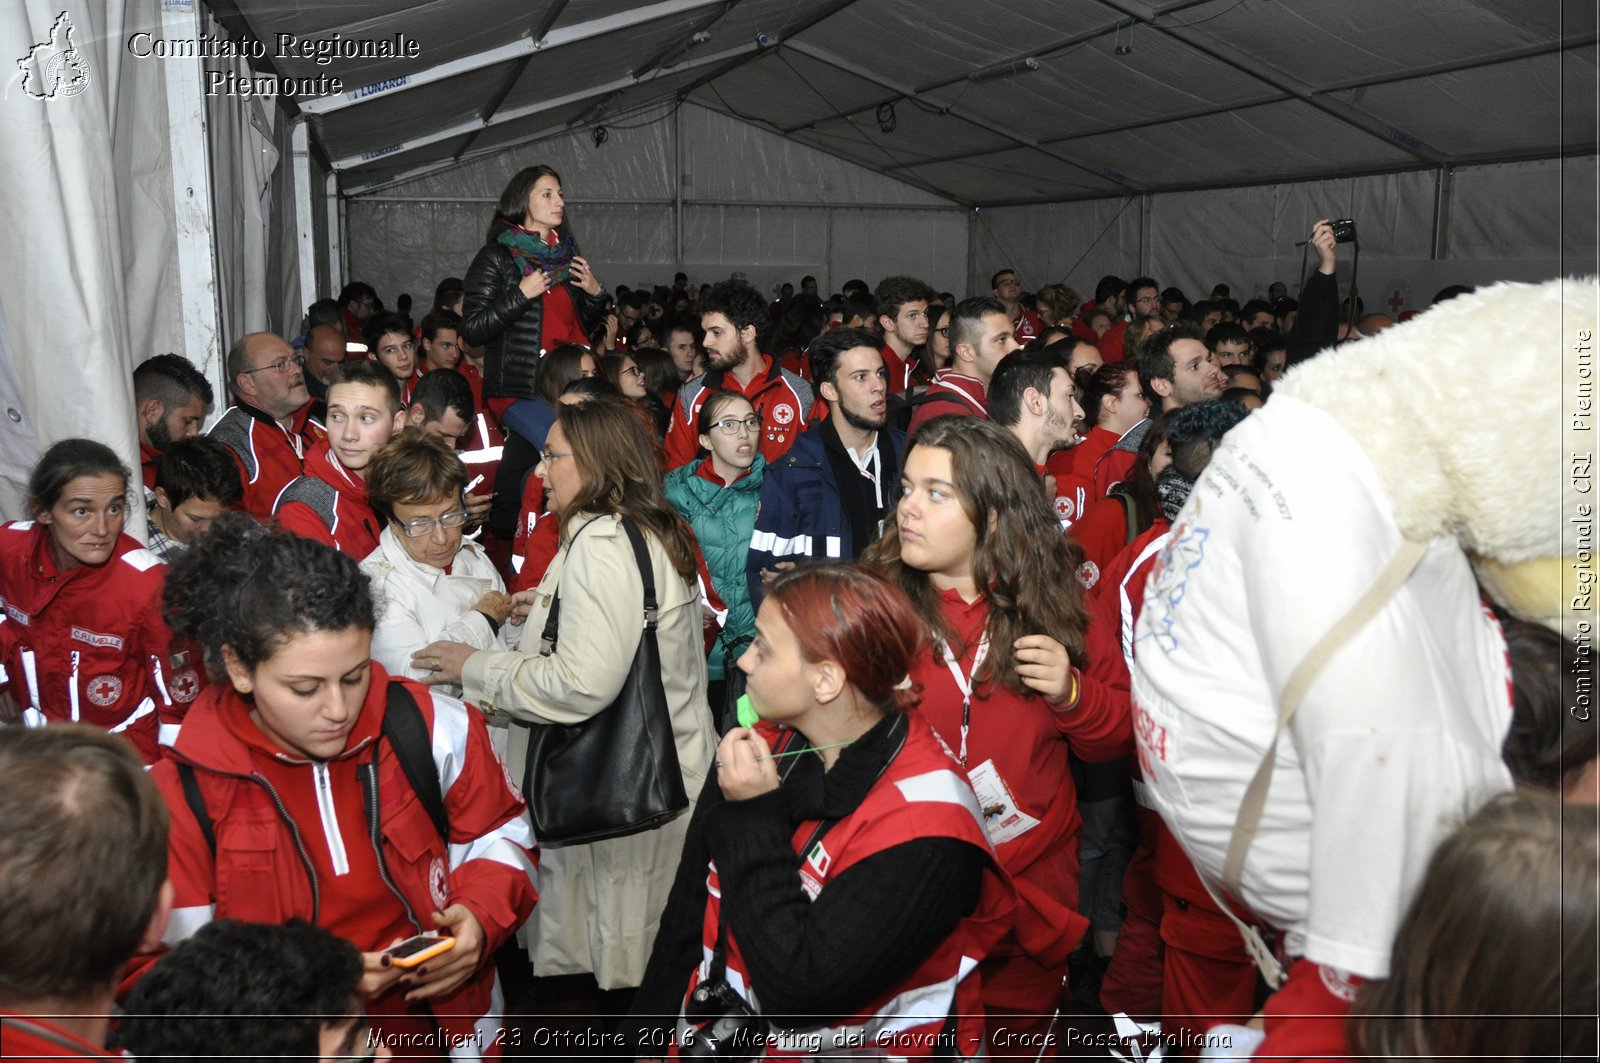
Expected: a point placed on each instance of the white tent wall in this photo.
(753, 202)
(1498, 224)
(243, 160)
(90, 286)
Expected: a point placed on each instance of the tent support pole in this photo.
(677, 182)
(304, 230)
(191, 200)
(1443, 184)
(335, 235)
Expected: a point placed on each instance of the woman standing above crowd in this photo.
(528, 290)
(1017, 676)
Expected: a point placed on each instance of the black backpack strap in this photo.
(408, 736)
(197, 804)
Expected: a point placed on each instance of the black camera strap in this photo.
(718, 970)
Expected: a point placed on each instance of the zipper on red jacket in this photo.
(288, 821)
(369, 784)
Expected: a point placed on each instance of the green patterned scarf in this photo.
(531, 252)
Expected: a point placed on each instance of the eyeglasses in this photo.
(729, 426)
(550, 456)
(416, 529)
(633, 370)
(282, 365)
(943, 330)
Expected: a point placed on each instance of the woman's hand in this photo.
(1043, 665)
(494, 605)
(535, 284)
(442, 661)
(522, 605)
(745, 768)
(446, 973)
(583, 276)
(377, 976)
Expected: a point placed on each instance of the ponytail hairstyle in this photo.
(1021, 562)
(853, 616)
(252, 588)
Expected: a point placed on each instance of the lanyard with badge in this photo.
(964, 683)
(1002, 819)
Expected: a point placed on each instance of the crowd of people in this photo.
(898, 556)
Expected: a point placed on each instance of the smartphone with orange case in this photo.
(415, 950)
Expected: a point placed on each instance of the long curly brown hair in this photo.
(1021, 561)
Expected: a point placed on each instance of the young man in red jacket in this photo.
(83, 862)
(269, 427)
(980, 335)
(733, 314)
(903, 317)
(329, 503)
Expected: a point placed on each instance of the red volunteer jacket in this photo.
(900, 370)
(89, 645)
(1027, 741)
(1112, 468)
(329, 504)
(784, 401)
(950, 392)
(1026, 325)
(148, 457)
(921, 794)
(26, 1038)
(269, 457)
(293, 838)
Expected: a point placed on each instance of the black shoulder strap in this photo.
(1130, 511)
(408, 736)
(647, 572)
(197, 804)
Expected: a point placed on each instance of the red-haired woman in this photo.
(871, 940)
(1016, 678)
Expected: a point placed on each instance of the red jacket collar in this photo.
(219, 735)
(322, 463)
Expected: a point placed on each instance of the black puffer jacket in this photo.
(509, 325)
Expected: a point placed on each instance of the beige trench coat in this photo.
(600, 904)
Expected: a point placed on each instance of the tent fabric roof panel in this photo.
(902, 36)
(1088, 87)
(788, 89)
(574, 67)
(1507, 107)
(387, 120)
(1267, 142)
(1018, 174)
(444, 30)
(917, 137)
(1318, 44)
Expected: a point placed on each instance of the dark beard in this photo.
(159, 437)
(861, 423)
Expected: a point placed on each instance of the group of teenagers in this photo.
(880, 855)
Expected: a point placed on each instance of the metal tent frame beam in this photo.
(525, 47)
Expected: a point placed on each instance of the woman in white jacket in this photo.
(430, 583)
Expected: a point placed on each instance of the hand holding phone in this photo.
(417, 949)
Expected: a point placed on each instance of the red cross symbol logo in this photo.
(1396, 300)
(185, 685)
(104, 689)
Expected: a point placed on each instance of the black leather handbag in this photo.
(617, 772)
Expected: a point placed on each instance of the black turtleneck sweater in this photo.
(813, 960)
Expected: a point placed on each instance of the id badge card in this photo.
(1002, 819)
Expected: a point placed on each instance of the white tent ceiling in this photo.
(982, 102)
